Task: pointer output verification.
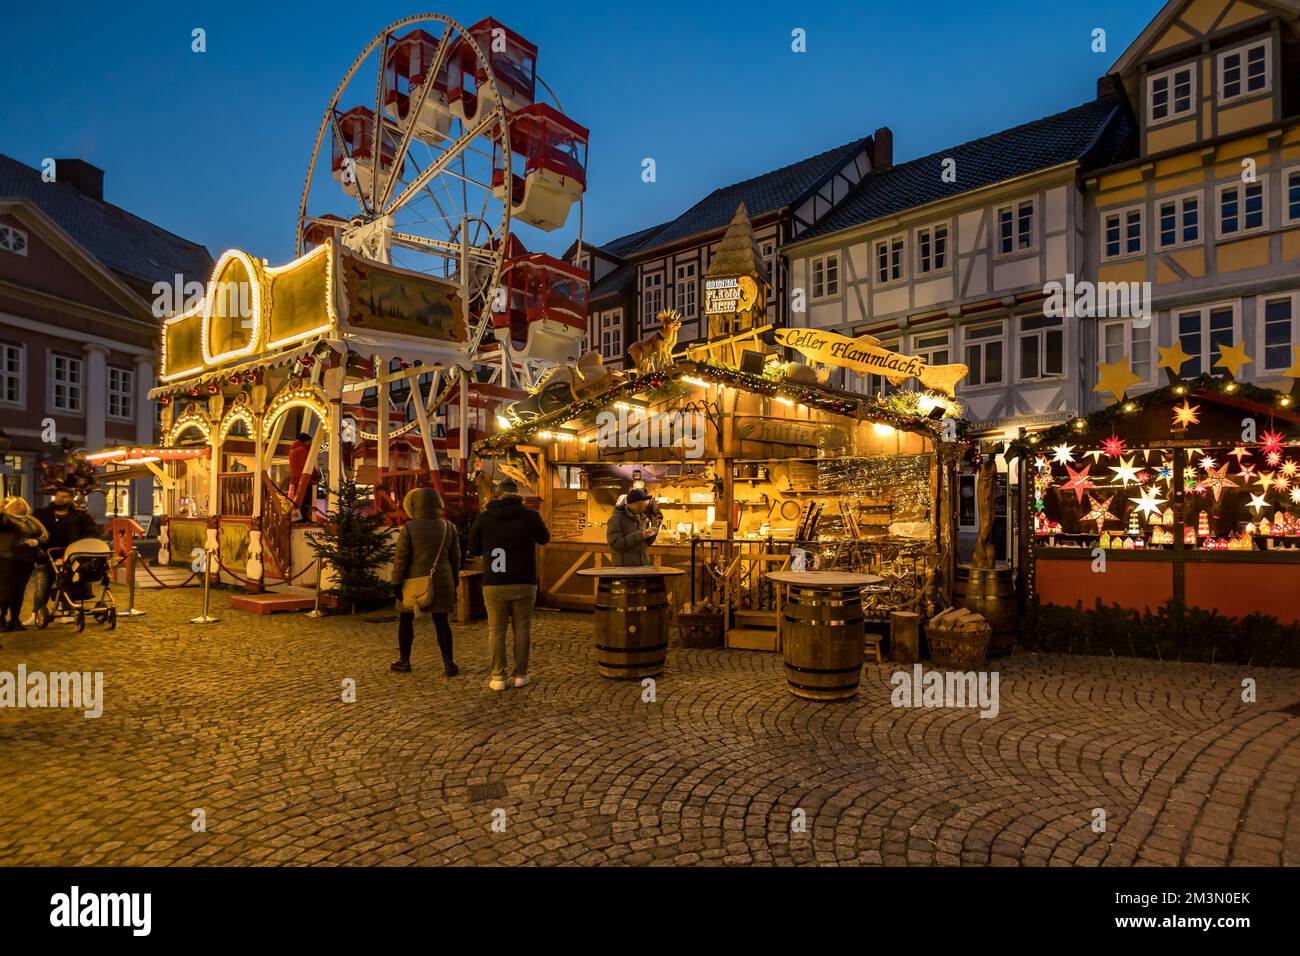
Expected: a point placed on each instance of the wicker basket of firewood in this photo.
(958, 637)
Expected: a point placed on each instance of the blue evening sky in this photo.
(214, 146)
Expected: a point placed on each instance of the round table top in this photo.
(824, 579)
(632, 571)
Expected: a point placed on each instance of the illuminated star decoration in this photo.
(1100, 513)
(1258, 503)
(1272, 441)
(1265, 479)
(1247, 473)
(1079, 481)
(1125, 472)
(1187, 414)
(1116, 378)
(1173, 358)
(1295, 496)
(1233, 358)
(1095, 454)
(1290, 468)
(1113, 446)
(1216, 481)
(1164, 473)
(1147, 503)
(1274, 458)
(1208, 463)
(1238, 453)
(1281, 483)
(1063, 454)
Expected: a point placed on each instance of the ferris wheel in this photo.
(442, 142)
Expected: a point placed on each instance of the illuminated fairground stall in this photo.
(1182, 500)
(749, 458)
(393, 337)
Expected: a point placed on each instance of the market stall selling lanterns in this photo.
(1186, 497)
(392, 340)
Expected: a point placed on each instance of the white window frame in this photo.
(1287, 218)
(1261, 330)
(1180, 206)
(767, 250)
(1219, 67)
(967, 342)
(1242, 229)
(610, 322)
(1207, 356)
(126, 395)
(20, 376)
(1034, 227)
(1123, 214)
(1129, 346)
(1172, 75)
(686, 284)
(932, 228)
(902, 264)
(652, 286)
(7, 244)
(1041, 336)
(927, 351)
(829, 289)
(79, 387)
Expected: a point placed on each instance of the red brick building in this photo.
(78, 334)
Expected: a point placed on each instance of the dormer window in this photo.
(1245, 71)
(1171, 95)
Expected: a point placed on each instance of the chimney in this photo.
(1108, 87)
(882, 149)
(81, 176)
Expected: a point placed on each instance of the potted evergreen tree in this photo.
(354, 545)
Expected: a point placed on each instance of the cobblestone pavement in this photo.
(244, 720)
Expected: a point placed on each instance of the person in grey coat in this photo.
(629, 531)
(427, 537)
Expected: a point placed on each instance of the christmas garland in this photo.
(901, 410)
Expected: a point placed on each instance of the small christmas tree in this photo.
(354, 544)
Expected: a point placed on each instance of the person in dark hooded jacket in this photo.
(506, 533)
(427, 542)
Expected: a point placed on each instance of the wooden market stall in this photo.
(1188, 496)
(744, 467)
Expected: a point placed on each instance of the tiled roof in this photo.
(121, 241)
(1096, 134)
(613, 282)
(626, 245)
(762, 194)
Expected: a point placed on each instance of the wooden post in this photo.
(335, 453)
(381, 418)
(904, 637)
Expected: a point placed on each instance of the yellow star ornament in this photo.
(1233, 358)
(1116, 378)
(1173, 357)
(1294, 370)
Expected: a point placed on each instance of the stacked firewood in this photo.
(961, 620)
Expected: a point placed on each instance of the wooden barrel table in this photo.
(822, 632)
(632, 618)
(992, 593)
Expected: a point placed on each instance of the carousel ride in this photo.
(412, 311)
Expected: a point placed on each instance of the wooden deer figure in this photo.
(655, 352)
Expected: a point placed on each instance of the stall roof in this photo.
(902, 410)
(1142, 419)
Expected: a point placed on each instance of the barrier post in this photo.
(131, 610)
(205, 617)
(316, 611)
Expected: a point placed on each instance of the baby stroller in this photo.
(82, 565)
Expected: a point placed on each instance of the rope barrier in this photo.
(163, 584)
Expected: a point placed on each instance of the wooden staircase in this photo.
(755, 631)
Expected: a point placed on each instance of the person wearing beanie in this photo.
(630, 531)
(506, 534)
(427, 563)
